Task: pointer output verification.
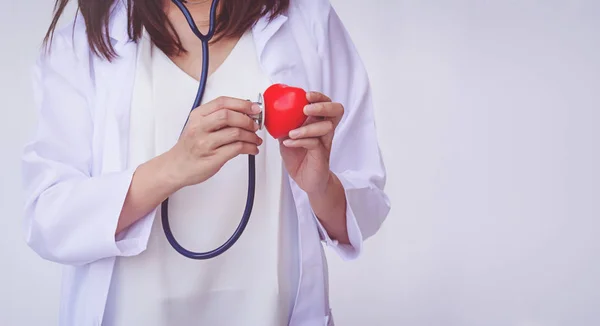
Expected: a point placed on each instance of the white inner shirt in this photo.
(254, 283)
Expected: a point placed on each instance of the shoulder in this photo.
(65, 63)
(66, 58)
(315, 11)
(316, 16)
(68, 43)
(69, 52)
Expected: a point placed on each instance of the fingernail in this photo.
(288, 142)
(260, 141)
(294, 133)
(255, 108)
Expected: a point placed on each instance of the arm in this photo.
(70, 213)
(152, 183)
(215, 133)
(330, 209)
(355, 157)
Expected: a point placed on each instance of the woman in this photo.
(113, 93)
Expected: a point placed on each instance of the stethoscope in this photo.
(205, 39)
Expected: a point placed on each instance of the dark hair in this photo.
(233, 19)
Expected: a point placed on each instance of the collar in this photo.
(118, 23)
(264, 30)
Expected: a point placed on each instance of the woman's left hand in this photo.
(306, 152)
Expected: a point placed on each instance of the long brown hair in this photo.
(233, 19)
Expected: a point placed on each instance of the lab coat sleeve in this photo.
(70, 216)
(355, 156)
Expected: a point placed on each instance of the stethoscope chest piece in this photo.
(259, 118)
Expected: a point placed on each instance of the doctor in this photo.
(113, 92)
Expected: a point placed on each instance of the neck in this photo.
(199, 9)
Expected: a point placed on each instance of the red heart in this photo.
(284, 109)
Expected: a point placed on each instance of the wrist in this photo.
(326, 192)
(167, 172)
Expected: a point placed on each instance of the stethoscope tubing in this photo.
(205, 39)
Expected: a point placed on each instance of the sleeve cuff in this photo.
(346, 251)
(135, 240)
(83, 231)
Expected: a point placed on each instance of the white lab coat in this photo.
(75, 170)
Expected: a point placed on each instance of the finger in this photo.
(314, 97)
(228, 118)
(229, 103)
(324, 109)
(229, 151)
(316, 129)
(230, 135)
(308, 143)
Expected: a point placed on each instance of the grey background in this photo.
(487, 113)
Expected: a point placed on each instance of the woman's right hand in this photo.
(215, 133)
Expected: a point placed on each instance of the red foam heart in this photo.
(284, 109)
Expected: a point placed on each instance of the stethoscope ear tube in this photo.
(251, 159)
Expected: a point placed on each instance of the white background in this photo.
(488, 117)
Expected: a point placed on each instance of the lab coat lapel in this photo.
(283, 61)
(279, 56)
(114, 82)
(262, 33)
(264, 30)
(278, 53)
